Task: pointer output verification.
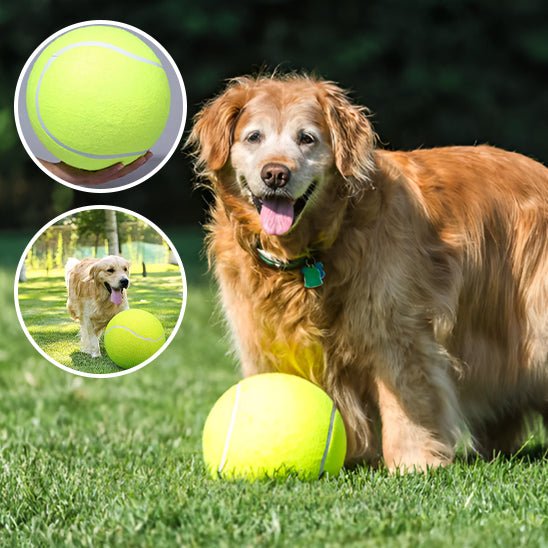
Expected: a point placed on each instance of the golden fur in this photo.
(90, 301)
(434, 311)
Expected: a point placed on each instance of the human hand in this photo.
(84, 177)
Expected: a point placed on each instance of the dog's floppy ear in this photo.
(93, 272)
(352, 136)
(213, 130)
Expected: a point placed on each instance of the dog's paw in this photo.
(93, 352)
(416, 462)
(416, 467)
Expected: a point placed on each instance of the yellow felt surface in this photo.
(133, 336)
(97, 100)
(278, 424)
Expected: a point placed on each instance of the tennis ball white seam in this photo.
(231, 425)
(328, 440)
(149, 339)
(37, 103)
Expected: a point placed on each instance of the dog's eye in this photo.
(125, 269)
(111, 270)
(306, 138)
(254, 137)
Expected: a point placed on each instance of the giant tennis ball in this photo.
(272, 425)
(96, 96)
(133, 336)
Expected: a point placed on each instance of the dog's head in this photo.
(111, 273)
(283, 139)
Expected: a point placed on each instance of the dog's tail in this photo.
(69, 265)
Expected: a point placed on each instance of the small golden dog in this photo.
(96, 293)
(412, 286)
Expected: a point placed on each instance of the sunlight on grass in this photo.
(117, 462)
(43, 308)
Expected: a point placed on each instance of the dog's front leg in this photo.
(89, 341)
(419, 413)
(94, 346)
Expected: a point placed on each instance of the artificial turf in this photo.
(91, 462)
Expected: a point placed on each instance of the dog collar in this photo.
(273, 261)
(312, 270)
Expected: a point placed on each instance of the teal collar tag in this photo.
(313, 271)
(314, 274)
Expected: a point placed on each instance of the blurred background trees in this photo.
(434, 72)
(86, 234)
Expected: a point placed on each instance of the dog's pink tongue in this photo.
(116, 297)
(277, 215)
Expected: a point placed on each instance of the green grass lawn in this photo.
(43, 297)
(91, 462)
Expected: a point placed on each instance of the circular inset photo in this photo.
(100, 291)
(100, 106)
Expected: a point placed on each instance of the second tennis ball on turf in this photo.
(96, 96)
(133, 336)
(273, 425)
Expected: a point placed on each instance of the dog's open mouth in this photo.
(116, 295)
(279, 213)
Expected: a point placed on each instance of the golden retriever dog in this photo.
(411, 286)
(96, 293)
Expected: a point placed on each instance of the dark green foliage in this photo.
(433, 72)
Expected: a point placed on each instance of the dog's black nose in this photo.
(275, 175)
(124, 282)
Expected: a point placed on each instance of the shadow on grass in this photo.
(42, 301)
(532, 451)
(99, 366)
(537, 455)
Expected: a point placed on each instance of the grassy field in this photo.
(43, 297)
(89, 462)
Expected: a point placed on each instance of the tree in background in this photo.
(111, 231)
(59, 255)
(49, 260)
(433, 72)
(95, 233)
